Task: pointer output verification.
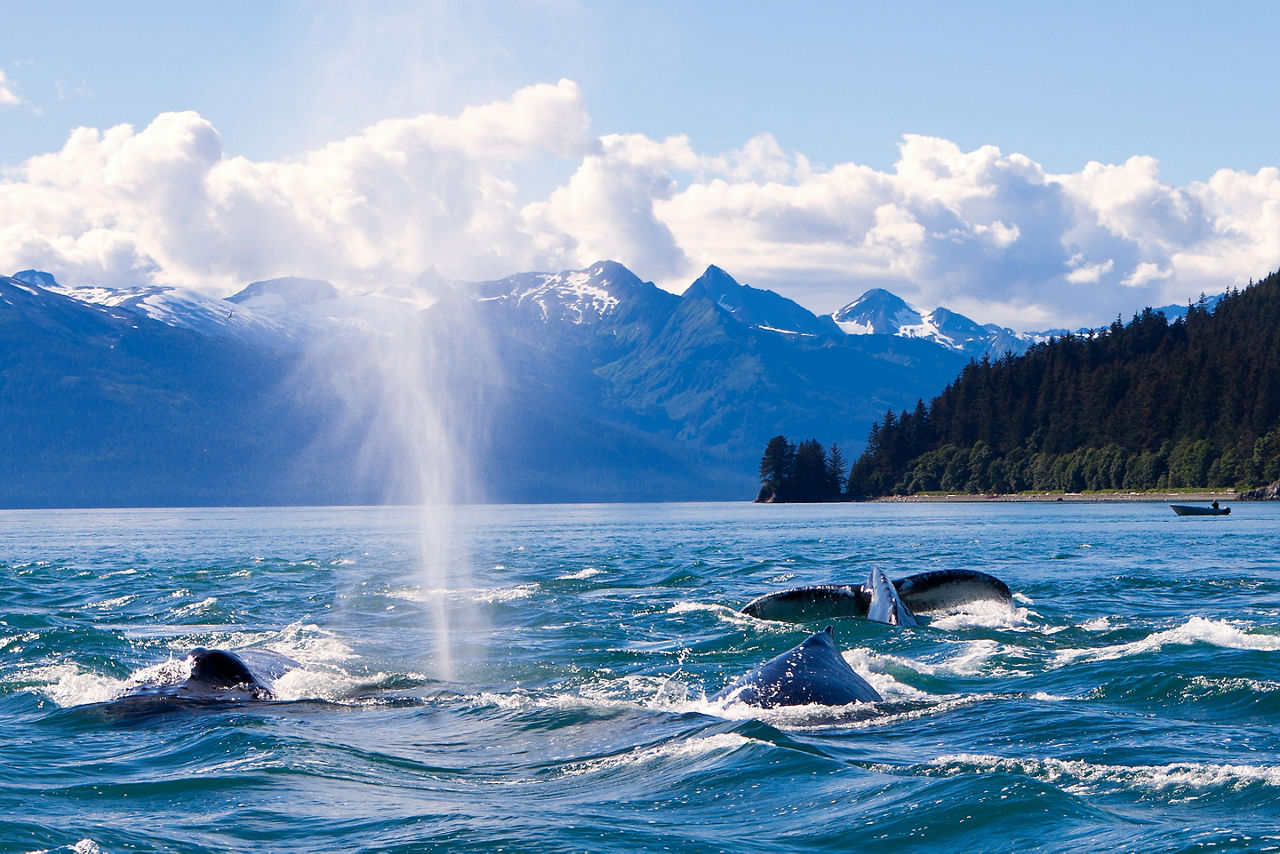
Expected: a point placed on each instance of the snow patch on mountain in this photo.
(574, 296)
(879, 312)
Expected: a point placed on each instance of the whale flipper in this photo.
(812, 673)
(885, 605)
(950, 588)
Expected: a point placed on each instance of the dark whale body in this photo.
(880, 599)
(812, 673)
(217, 670)
(221, 675)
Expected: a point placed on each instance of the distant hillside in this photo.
(1193, 402)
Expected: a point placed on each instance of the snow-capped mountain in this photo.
(879, 312)
(311, 307)
(759, 309)
(574, 296)
(597, 385)
(178, 307)
(288, 292)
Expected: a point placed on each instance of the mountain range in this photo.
(577, 386)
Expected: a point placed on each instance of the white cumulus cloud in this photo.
(8, 92)
(985, 232)
(167, 204)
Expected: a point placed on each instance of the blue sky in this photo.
(1189, 88)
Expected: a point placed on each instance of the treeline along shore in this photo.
(1154, 404)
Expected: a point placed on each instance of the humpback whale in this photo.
(879, 598)
(812, 673)
(218, 674)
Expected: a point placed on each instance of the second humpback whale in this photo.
(881, 599)
(222, 675)
(812, 673)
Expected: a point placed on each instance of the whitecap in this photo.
(1078, 775)
(871, 667)
(1196, 630)
(196, 607)
(84, 846)
(309, 644)
(117, 602)
(305, 683)
(972, 658)
(1050, 698)
(984, 615)
(580, 574)
(486, 595)
(726, 742)
(729, 615)
(68, 685)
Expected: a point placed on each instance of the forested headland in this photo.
(1151, 404)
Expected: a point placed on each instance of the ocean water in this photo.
(1129, 700)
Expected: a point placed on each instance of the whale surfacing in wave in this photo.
(221, 675)
(812, 673)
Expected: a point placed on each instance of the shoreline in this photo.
(1054, 497)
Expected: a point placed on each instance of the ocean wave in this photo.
(67, 685)
(981, 657)
(730, 615)
(983, 615)
(483, 595)
(871, 666)
(319, 652)
(580, 575)
(1218, 633)
(310, 644)
(196, 607)
(1080, 777)
(726, 742)
(84, 846)
(108, 604)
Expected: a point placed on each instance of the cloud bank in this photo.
(984, 232)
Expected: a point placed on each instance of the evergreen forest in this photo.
(1151, 404)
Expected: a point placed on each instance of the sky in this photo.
(1036, 165)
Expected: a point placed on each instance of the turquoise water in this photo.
(1129, 700)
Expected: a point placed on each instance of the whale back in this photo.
(812, 673)
(218, 671)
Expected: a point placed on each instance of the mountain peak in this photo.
(877, 312)
(287, 290)
(576, 296)
(37, 278)
(761, 309)
(714, 284)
